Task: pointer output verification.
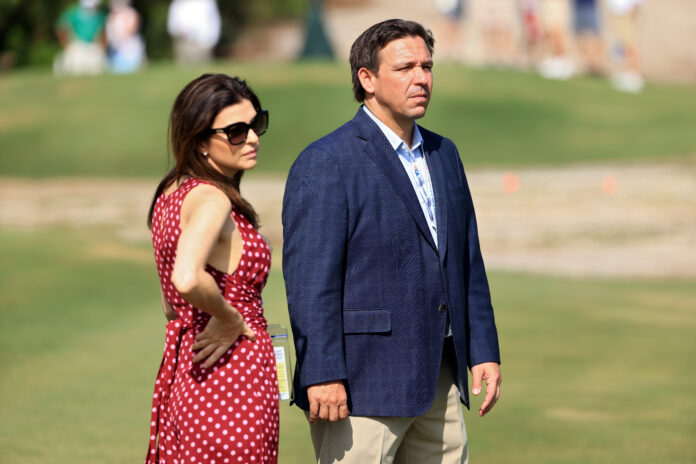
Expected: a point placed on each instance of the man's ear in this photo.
(367, 80)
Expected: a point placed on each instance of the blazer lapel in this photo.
(437, 177)
(383, 155)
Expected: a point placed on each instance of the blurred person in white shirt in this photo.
(195, 27)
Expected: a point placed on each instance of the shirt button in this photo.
(442, 308)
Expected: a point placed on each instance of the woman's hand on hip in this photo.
(218, 336)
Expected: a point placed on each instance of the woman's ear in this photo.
(203, 149)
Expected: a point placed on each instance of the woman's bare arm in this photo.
(203, 215)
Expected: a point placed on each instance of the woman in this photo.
(216, 394)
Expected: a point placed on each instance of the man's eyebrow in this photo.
(411, 62)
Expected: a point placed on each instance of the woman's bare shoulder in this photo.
(206, 196)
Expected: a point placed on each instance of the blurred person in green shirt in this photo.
(80, 30)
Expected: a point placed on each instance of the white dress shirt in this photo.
(416, 168)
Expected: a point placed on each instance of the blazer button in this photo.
(442, 308)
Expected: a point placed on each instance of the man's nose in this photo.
(421, 76)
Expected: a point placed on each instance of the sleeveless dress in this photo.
(227, 413)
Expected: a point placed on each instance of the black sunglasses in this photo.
(237, 132)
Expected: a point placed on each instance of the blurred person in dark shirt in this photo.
(586, 24)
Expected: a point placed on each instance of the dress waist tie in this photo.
(163, 385)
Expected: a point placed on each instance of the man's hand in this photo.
(327, 401)
(490, 372)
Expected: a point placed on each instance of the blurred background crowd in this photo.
(541, 34)
(88, 36)
(556, 38)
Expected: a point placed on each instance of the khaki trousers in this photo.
(436, 437)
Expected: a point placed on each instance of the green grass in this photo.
(594, 370)
(116, 125)
(81, 333)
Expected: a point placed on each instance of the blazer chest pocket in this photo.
(358, 321)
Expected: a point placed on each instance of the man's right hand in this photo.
(327, 401)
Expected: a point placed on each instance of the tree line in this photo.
(27, 27)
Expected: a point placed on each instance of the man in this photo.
(387, 293)
(80, 31)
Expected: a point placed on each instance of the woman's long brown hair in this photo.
(193, 113)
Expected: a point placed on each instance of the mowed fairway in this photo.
(81, 334)
(594, 370)
(116, 125)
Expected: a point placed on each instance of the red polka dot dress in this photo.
(227, 413)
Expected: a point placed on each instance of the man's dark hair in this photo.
(363, 53)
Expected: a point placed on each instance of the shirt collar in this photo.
(394, 140)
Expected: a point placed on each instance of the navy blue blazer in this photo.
(368, 290)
